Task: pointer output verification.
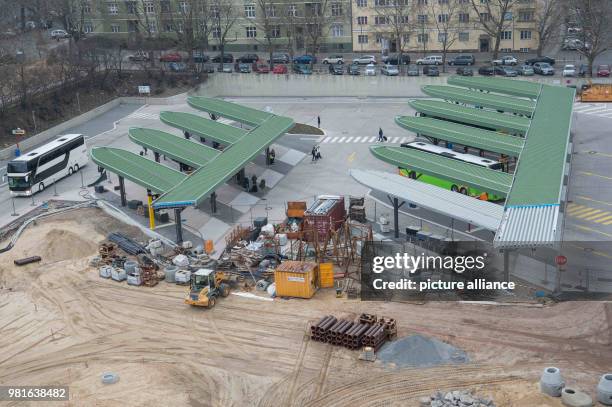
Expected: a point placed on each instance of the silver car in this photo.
(365, 60)
(389, 70)
(543, 68)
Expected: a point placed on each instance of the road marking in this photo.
(595, 252)
(588, 213)
(593, 230)
(357, 139)
(576, 211)
(341, 139)
(372, 139)
(394, 140)
(586, 198)
(351, 157)
(590, 174)
(599, 215)
(602, 220)
(597, 153)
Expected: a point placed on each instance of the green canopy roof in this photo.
(468, 115)
(478, 98)
(513, 87)
(140, 170)
(242, 114)
(176, 148)
(491, 181)
(462, 134)
(221, 133)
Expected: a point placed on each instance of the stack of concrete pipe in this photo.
(353, 334)
(553, 384)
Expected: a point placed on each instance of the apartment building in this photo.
(433, 25)
(248, 25)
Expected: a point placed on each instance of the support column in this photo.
(187, 135)
(202, 140)
(122, 191)
(267, 155)
(506, 265)
(215, 145)
(156, 155)
(179, 225)
(396, 206)
(151, 211)
(240, 176)
(213, 202)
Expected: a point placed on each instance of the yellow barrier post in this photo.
(151, 212)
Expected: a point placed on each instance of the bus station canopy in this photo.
(473, 116)
(138, 169)
(478, 98)
(176, 148)
(465, 135)
(492, 181)
(200, 126)
(241, 114)
(512, 87)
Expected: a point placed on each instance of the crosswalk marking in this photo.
(588, 214)
(593, 109)
(594, 217)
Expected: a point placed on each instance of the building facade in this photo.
(435, 25)
(247, 25)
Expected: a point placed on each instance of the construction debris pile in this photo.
(456, 398)
(367, 331)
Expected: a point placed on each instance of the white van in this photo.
(430, 60)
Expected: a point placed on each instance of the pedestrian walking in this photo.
(314, 153)
(319, 122)
(318, 153)
(272, 156)
(145, 150)
(380, 134)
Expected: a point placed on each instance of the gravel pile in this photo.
(456, 398)
(420, 351)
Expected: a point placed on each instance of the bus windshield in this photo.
(18, 182)
(16, 167)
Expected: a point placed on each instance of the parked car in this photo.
(603, 71)
(336, 69)
(465, 71)
(430, 60)
(431, 70)
(280, 58)
(506, 60)
(226, 68)
(279, 69)
(59, 34)
(353, 69)
(394, 59)
(505, 71)
(227, 58)
(334, 59)
(525, 70)
(486, 71)
(365, 60)
(244, 67)
(171, 57)
(305, 59)
(389, 70)
(548, 60)
(139, 56)
(543, 68)
(370, 70)
(200, 57)
(569, 71)
(177, 66)
(302, 69)
(466, 59)
(248, 58)
(261, 68)
(412, 70)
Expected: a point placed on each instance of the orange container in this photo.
(209, 246)
(326, 275)
(296, 279)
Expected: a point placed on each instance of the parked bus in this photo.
(34, 171)
(446, 184)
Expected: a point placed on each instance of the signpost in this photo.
(18, 132)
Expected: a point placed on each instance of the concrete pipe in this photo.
(604, 390)
(551, 382)
(575, 398)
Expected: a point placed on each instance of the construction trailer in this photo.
(324, 216)
(296, 279)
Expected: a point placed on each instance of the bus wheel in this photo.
(70, 171)
(76, 167)
(463, 190)
(412, 175)
(41, 186)
(454, 188)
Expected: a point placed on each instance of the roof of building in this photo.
(465, 135)
(176, 148)
(200, 126)
(479, 98)
(242, 114)
(474, 211)
(473, 116)
(492, 181)
(144, 172)
(513, 87)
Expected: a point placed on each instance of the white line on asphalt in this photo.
(341, 139)
(326, 140)
(357, 139)
(395, 139)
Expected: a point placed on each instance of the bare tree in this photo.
(394, 18)
(445, 16)
(548, 18)
(268, 23)
(224, 16)
(73, 15)
(317, 16)
(494, 17)
(293, 22)
(593, 18)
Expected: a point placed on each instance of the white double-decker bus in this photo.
(35, 170)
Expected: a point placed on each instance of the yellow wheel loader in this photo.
(205, 287)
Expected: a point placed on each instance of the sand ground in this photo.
(62, 324)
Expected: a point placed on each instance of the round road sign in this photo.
(561, 260)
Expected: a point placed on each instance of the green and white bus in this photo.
(446, 184)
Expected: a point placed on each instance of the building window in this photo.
(443, 18)
(400, 19)
(168, 27)
(275, 32)
(464, 17)
(165, 6)
(405, 38)
(88, 28)
(380, 3)
(292, 10)
(506, 49)
(380, 20)
(251, 32)
(464, 36)
(216, 32)
(249, 11)
(337, 30)
(149, 7)
(362, 39)
(271, 11)
(525, 34)
(442, 38)
(463, 1)
(179, 26)
(131, 7)
(336, 9)
(362, 20)
(114, 28)
(525, 16)
(86, 8)
(422, 18)
(113, 9)
(524, 49)
(442, 2)
(152, 27)
(506, 35)
(362, 3)
(184, 7)
(422, 2)
(422, 38)
(379, 38)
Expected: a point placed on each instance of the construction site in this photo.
(148, 287)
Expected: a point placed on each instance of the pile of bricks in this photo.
(367, 330)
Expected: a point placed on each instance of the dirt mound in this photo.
(66, 245)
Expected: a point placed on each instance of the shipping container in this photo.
(326, 214)
(326, 275)
(296, 279)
